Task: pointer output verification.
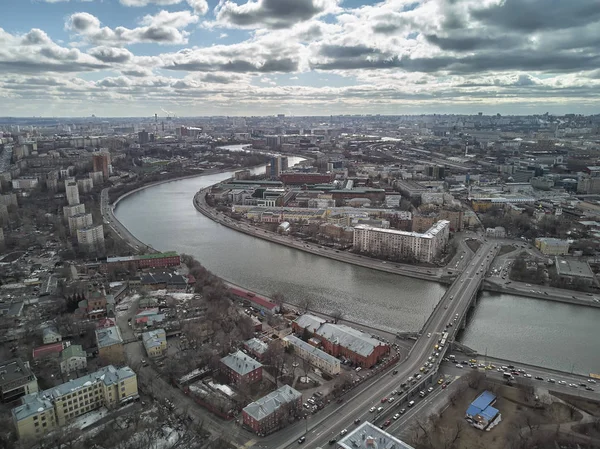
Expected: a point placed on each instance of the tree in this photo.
(337, 315)
(305, 304)
(279, 300)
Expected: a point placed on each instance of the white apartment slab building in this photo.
(79, 221)
(72, 193)
(424, 247)
(91, 238)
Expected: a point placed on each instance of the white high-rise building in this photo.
(424, 247)
(69, 211)
(72, 192)
(79, 221)
(91, 239)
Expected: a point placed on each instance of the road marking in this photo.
(248, 444)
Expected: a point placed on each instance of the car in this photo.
(451, 298)
(428, 334)
(394, 392)
(344, 432)
(419, 376)
(527, 375)
(562, 382)
(379, 409)
(396, 416)
(357, 421)
(372, 409)
(384, 400)
(411, 403)
(589, 388)
(301, 440)
(592, 381)
(422, 369)
(358, 369)
(387, 423)
(402, 410)
(332, 441)
(444, 386)
(573, 385)
(458, 365)
(539, 378)
(430, 389)
(440, 381)
(552, 381)
(394, 372)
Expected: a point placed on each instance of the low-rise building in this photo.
(110, 345)
(256, 347)
(72, 358)
(481, 414)
(316, 357)
(155, 342)
(50, 334)
(551, 246)
(273, 411)
(369, 436)
(498, 232)
(239, 367)
(574, 270)
(46, 410)
(254, 300)
(16, 380)
(340, 340)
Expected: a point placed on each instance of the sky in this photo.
(118, 58)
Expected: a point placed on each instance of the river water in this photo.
(549, 334)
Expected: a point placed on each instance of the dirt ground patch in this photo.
(473, 245)
(517, 413)
(587, 405)
(505, 249)
(591, 429)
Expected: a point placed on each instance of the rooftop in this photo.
(270, 403)
(352, 339)
(368, 436)
(252, 298)
(13, 370)
(240, 363)
(108, 336)
(140, 257)
(573, 267)
(429, 234)
(72, 351)
(310, 348)
(257, 346)
(310, 322)
(154, 338)
(43, 400)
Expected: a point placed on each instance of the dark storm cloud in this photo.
(270, 13)
(539, 15)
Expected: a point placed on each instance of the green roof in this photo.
(72, 351)
(158, 255)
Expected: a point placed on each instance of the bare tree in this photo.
(305, 304)
(337, 315)
(279, 299)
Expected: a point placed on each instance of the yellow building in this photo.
(551, 246)
(43, 411)
(155, 342)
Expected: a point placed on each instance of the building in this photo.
(369, 436)
(273, 411)
(293, 178)
(239, 367)
(143, 137)
(481, 414)
(72, 358)
(254, 300)
(79, 221)
(25, 183)
(341, 341)
(101, 163)
(85, 185)
(317, 358)
(392, 243)
(46, 410)
(94, 306)
(17, 380)
(551, 246)
(72, 193)
(50, 335)
(256, 347)
(574, 270)
(70, 211)
(156, 260)
(91, 239)
(498, 232)
(155, 342)
(110, 345)
(343, 195)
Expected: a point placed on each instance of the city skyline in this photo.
(64, 58)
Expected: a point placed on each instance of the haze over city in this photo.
(298, 57)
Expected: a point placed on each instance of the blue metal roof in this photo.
(483, 400)
(472, 410)
(489, 413)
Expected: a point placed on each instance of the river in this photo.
(536, 331)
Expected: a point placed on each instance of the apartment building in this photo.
(341, 341)
(16, 380)
(155, 342)
(70, 211)
(316, 357)
(256, 347)
(91, 238)
(240, 367)
(79, 221)
(72, 193)
(110, 345)
(46, 410)
(551, 246)
(101, 163)
(273, 410)
(156, 260)
(424, 247)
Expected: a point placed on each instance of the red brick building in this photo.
(342, 341)
(273, 411)
(239, 367)
(254, 300)
(156, 260)
(306, 178)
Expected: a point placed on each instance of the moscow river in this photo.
(535, 331)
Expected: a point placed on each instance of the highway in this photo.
(332, 420)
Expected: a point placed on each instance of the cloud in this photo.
(164, 28)
(273, 14)
(200, 7)
(111, 54)
(140, 3)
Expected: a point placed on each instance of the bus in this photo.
(444, 338)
